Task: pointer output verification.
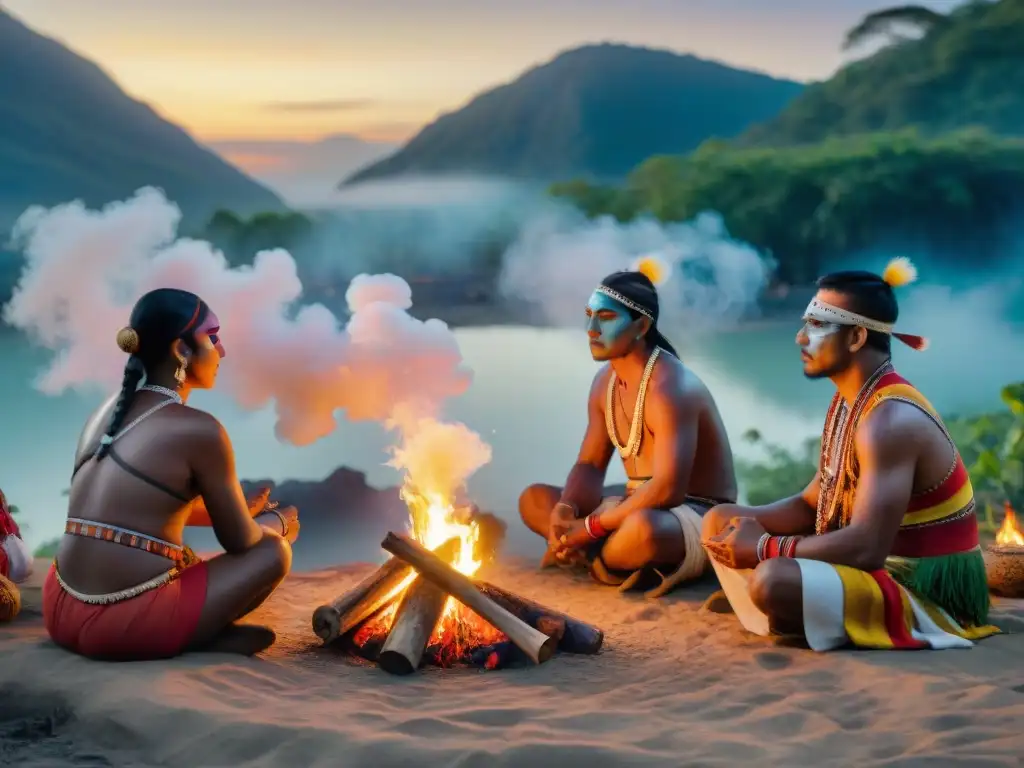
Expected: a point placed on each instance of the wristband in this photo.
(770, 547)
(593, 527)
(762, 547)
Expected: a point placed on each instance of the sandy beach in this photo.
(675, 685)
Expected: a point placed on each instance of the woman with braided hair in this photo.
(123, 586)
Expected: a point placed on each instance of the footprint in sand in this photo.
(772, 661)
(650, 613)
(717, 603)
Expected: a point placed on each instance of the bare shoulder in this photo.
(203, 429)
(893, 430)
(672, 380)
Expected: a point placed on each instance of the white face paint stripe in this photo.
(816, 335)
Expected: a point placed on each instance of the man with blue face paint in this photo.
(666, 428)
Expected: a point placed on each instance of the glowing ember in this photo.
(1009, 534)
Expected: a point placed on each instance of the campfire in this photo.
(425, 606)
(1004, 560)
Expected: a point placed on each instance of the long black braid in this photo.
(134, 371)
(158, 319)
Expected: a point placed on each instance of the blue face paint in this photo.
(609, 327)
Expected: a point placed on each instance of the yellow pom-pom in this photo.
(10, 600)
(899, 272)
(653, 267)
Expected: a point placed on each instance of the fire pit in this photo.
(1004, 560)
(423, 606)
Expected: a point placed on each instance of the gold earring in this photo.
(179, 375)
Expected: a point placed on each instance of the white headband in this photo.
(826, 313)
(624, 301)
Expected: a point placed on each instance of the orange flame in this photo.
(1009, 534)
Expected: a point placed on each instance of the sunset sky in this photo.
(380, 69)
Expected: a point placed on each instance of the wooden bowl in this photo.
(1005, 569)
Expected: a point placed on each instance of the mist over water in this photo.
(520, 391)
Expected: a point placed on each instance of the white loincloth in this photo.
(695, 560)
(736, 585)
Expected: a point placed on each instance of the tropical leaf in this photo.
(1013, 396)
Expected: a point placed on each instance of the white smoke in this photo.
(560, 257)
(85, 269)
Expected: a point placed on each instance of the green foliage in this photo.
(993, 450)
(47, 548)
(781, 473)
(809, 204)
(966, 70)
(991, 446)
(240, 239)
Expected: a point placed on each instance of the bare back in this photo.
(164, 447)
(713, 474)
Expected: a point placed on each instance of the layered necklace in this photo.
(165, 391)
(636, 429)
(836, 446)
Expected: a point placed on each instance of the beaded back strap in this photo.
(105, 532)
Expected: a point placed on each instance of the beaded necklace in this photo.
(636, 431)
(836, 446)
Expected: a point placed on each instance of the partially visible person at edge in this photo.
(881, 549)
(122, 585)
(664, 424)
(15, 562)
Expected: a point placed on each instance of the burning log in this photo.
(575, 636)
(420, 609)
(376, 591)
(535, 644)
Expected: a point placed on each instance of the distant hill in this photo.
(68, 131)
(595, 111)
(305, 173)
(966, 69)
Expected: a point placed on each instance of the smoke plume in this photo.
(86, 268)
(560, 257)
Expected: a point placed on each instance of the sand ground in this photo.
(675, 685)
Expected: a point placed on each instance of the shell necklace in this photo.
(636, 429)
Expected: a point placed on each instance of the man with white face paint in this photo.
(881, 549)
(666, 427)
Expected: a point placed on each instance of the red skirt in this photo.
(157, 624)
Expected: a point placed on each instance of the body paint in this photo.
(817, 332)
(608, 328)
(208, 334)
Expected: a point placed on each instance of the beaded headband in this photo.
(828, 313)
(624, 301)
